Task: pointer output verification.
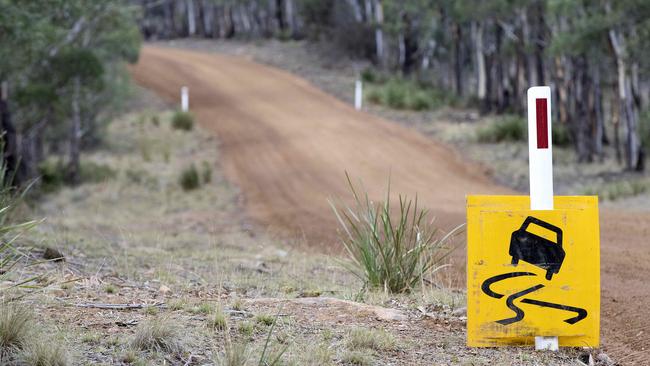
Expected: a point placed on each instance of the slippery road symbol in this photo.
(539, 252)
(519, 314)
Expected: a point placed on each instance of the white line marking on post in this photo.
(185, 99)
(540, 148)
(358, 94)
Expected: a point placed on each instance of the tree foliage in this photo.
(60, 64)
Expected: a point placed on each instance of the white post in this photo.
(540, 153)
(540, 148)
(358, 94)
(185, 99)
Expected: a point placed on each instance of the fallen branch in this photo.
(119, 306)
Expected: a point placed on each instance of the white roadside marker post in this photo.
(358, 94)
(185, 99)
(540, 152)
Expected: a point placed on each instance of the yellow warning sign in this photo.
(532, 273)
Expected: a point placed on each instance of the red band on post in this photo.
(542, 122)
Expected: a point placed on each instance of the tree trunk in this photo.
(481, 78)
(458, 64)
(74, 164)
(289, 12)
(599, 130)
(379, 34)
(191, 19)
(9, 138)
(626, 102)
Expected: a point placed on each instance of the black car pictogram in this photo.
(537, 250)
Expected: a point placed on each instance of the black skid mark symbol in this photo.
(582, 313)
(487, 283)
(511, 305)
(519, 314)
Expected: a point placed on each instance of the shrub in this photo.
(395, 95)
(407, 94)
(368, 75)
(390, 253)
(189, 179)
(561, 135)
(508, 128)
(52, 174)
(183, 121)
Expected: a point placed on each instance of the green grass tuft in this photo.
(219, 320)
(183, 121)
(189, 179)
(390, 250)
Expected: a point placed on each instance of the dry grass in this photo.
(218, 321)
(16, 327)
(43, 353)
(157, 335)
(376, 339)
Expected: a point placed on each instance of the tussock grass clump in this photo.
(157, 335)
(183, 121)
(190, 179)
(378, 340)
(15, 327)
(22, 343)
(219, 320)
(390, 249)
(265, 319)
(246, 328)
(359, 358)
(236, 354)
(44, 353)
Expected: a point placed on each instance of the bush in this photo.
(52, 174)
(508, 128)
(561, 135)
(368, 75)
(396, 94)
(407, 94)
(183, 121)
(390, 253)
(190, 179)
(515, 128)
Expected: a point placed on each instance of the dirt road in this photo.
(286, 145)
